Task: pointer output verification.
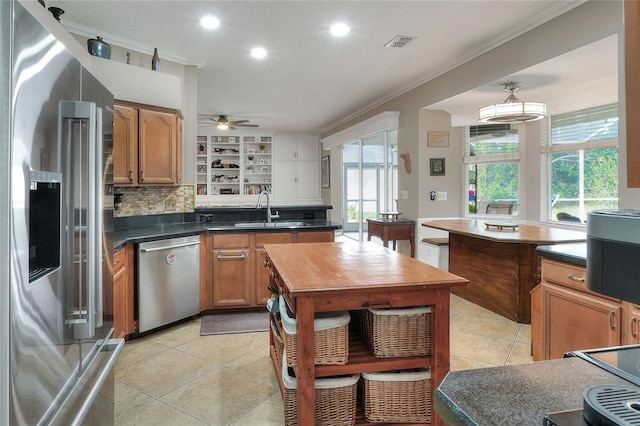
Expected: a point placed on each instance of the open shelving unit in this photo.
(257, 164)
(229, 165)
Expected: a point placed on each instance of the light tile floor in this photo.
(177, 377)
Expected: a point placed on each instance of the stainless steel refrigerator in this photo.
(56, 343)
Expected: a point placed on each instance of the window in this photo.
(582, 159)
(492, 160)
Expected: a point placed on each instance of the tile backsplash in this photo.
(148, 200)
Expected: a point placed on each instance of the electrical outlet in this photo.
(442, 196)
(169, 205)
(404, 195)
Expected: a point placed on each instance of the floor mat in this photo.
(236, 322)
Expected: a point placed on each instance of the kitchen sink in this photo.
(270, 224)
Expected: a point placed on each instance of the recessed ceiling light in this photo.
(210, 22)
(258, 52)
(339, 29)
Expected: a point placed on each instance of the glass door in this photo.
(370, 176)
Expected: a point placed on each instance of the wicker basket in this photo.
(335, 400)
(397, 397)
(397, 332)
(330, 337)
(278, 343)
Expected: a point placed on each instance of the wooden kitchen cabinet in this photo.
(571, 317)
(125, 145)
(231, 270)
(261, 278)
(632, 89)
(179, 152)
(147, 145)
(630, 323)
(123, 293)
(315, 237)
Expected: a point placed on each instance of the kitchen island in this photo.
(326, 277)
(499, 260)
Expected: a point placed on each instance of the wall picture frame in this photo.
(438, 139)
(436, 166)
(325, 174)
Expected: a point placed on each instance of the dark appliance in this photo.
(44, 223)
(613, 250)
(609, 404)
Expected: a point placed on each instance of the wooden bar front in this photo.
(501, 264)
(322, 277)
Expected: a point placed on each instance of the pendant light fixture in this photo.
(513, 110)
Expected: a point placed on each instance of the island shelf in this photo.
(329, 277)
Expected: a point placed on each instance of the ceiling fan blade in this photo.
(239, 121)
(246, 125)
(205, 117)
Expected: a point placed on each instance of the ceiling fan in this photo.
(223, 123)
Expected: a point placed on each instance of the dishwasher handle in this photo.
(173, 246)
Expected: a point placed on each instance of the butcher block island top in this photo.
(325, 277)
(351, 266)
(500, 262)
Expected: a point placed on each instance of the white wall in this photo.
(585, 24)
(452, 181)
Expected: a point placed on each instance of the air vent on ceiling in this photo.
(399, 41)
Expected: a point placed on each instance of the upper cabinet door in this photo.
(157, 147)
(285, 148)
(308, 148)
(296, 148)
(125, 145)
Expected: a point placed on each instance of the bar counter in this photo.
(499, 259)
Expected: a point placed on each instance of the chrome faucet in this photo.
(259, 205)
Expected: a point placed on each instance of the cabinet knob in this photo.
(130, 175)
(141, 175)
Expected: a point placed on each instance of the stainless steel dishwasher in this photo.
(168, 281)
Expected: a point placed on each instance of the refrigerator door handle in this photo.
(116, 346)
(95, 373)
(84, 320)
(99, 258)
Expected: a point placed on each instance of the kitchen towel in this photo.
(236, 322)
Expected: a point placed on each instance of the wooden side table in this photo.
(392, 230)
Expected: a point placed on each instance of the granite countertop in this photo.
(574, 253)
(517, 394)
(155, 232)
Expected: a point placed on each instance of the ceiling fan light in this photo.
(223, 126)
(513, 110)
